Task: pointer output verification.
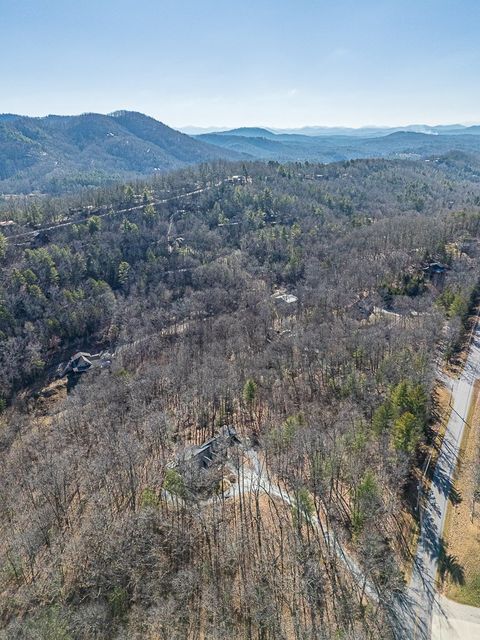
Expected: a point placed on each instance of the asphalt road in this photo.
(421, 602)
(414, 611)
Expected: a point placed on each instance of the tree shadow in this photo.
(448, 565)
(445, 484)
(455, 496)
(429, 534)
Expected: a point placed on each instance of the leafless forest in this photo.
(304, 308)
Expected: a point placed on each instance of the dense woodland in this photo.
(100, 535)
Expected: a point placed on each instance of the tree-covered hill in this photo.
(60, 153)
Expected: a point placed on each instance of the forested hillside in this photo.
(270, 335)
(64, 153)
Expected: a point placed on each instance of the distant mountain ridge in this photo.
(295, 147)
(55, 153)
(366, 132)
(360, 132)
(60, 153)
(249, 132)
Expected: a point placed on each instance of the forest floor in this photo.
(462, 528)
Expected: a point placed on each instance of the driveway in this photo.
(453, 621)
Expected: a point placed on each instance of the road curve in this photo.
(254, 478)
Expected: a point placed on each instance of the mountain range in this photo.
(358, 132)
(62, 153)
(294, 147)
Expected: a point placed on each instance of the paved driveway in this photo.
(453, 621)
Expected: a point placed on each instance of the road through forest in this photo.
(421, 603)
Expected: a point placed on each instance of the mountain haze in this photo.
(295, 147)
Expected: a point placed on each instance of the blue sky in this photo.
(283, 63)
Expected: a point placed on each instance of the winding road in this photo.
(418, 613)
(254, 479)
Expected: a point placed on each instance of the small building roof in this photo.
(289, 298)
(215, 447)
(80, 354)
(435, 267)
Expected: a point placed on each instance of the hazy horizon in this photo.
(309, 125)
(217, 127)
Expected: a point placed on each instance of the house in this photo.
(213, 450)
(285, 297)
(434, 268)
(436, 272)
(239, 179)
(79, 363)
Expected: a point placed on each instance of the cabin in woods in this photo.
(79, 363)
(435, 272)
(282, 297)
(82, 362)
(214, 450)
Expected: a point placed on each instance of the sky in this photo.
(277, 63)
